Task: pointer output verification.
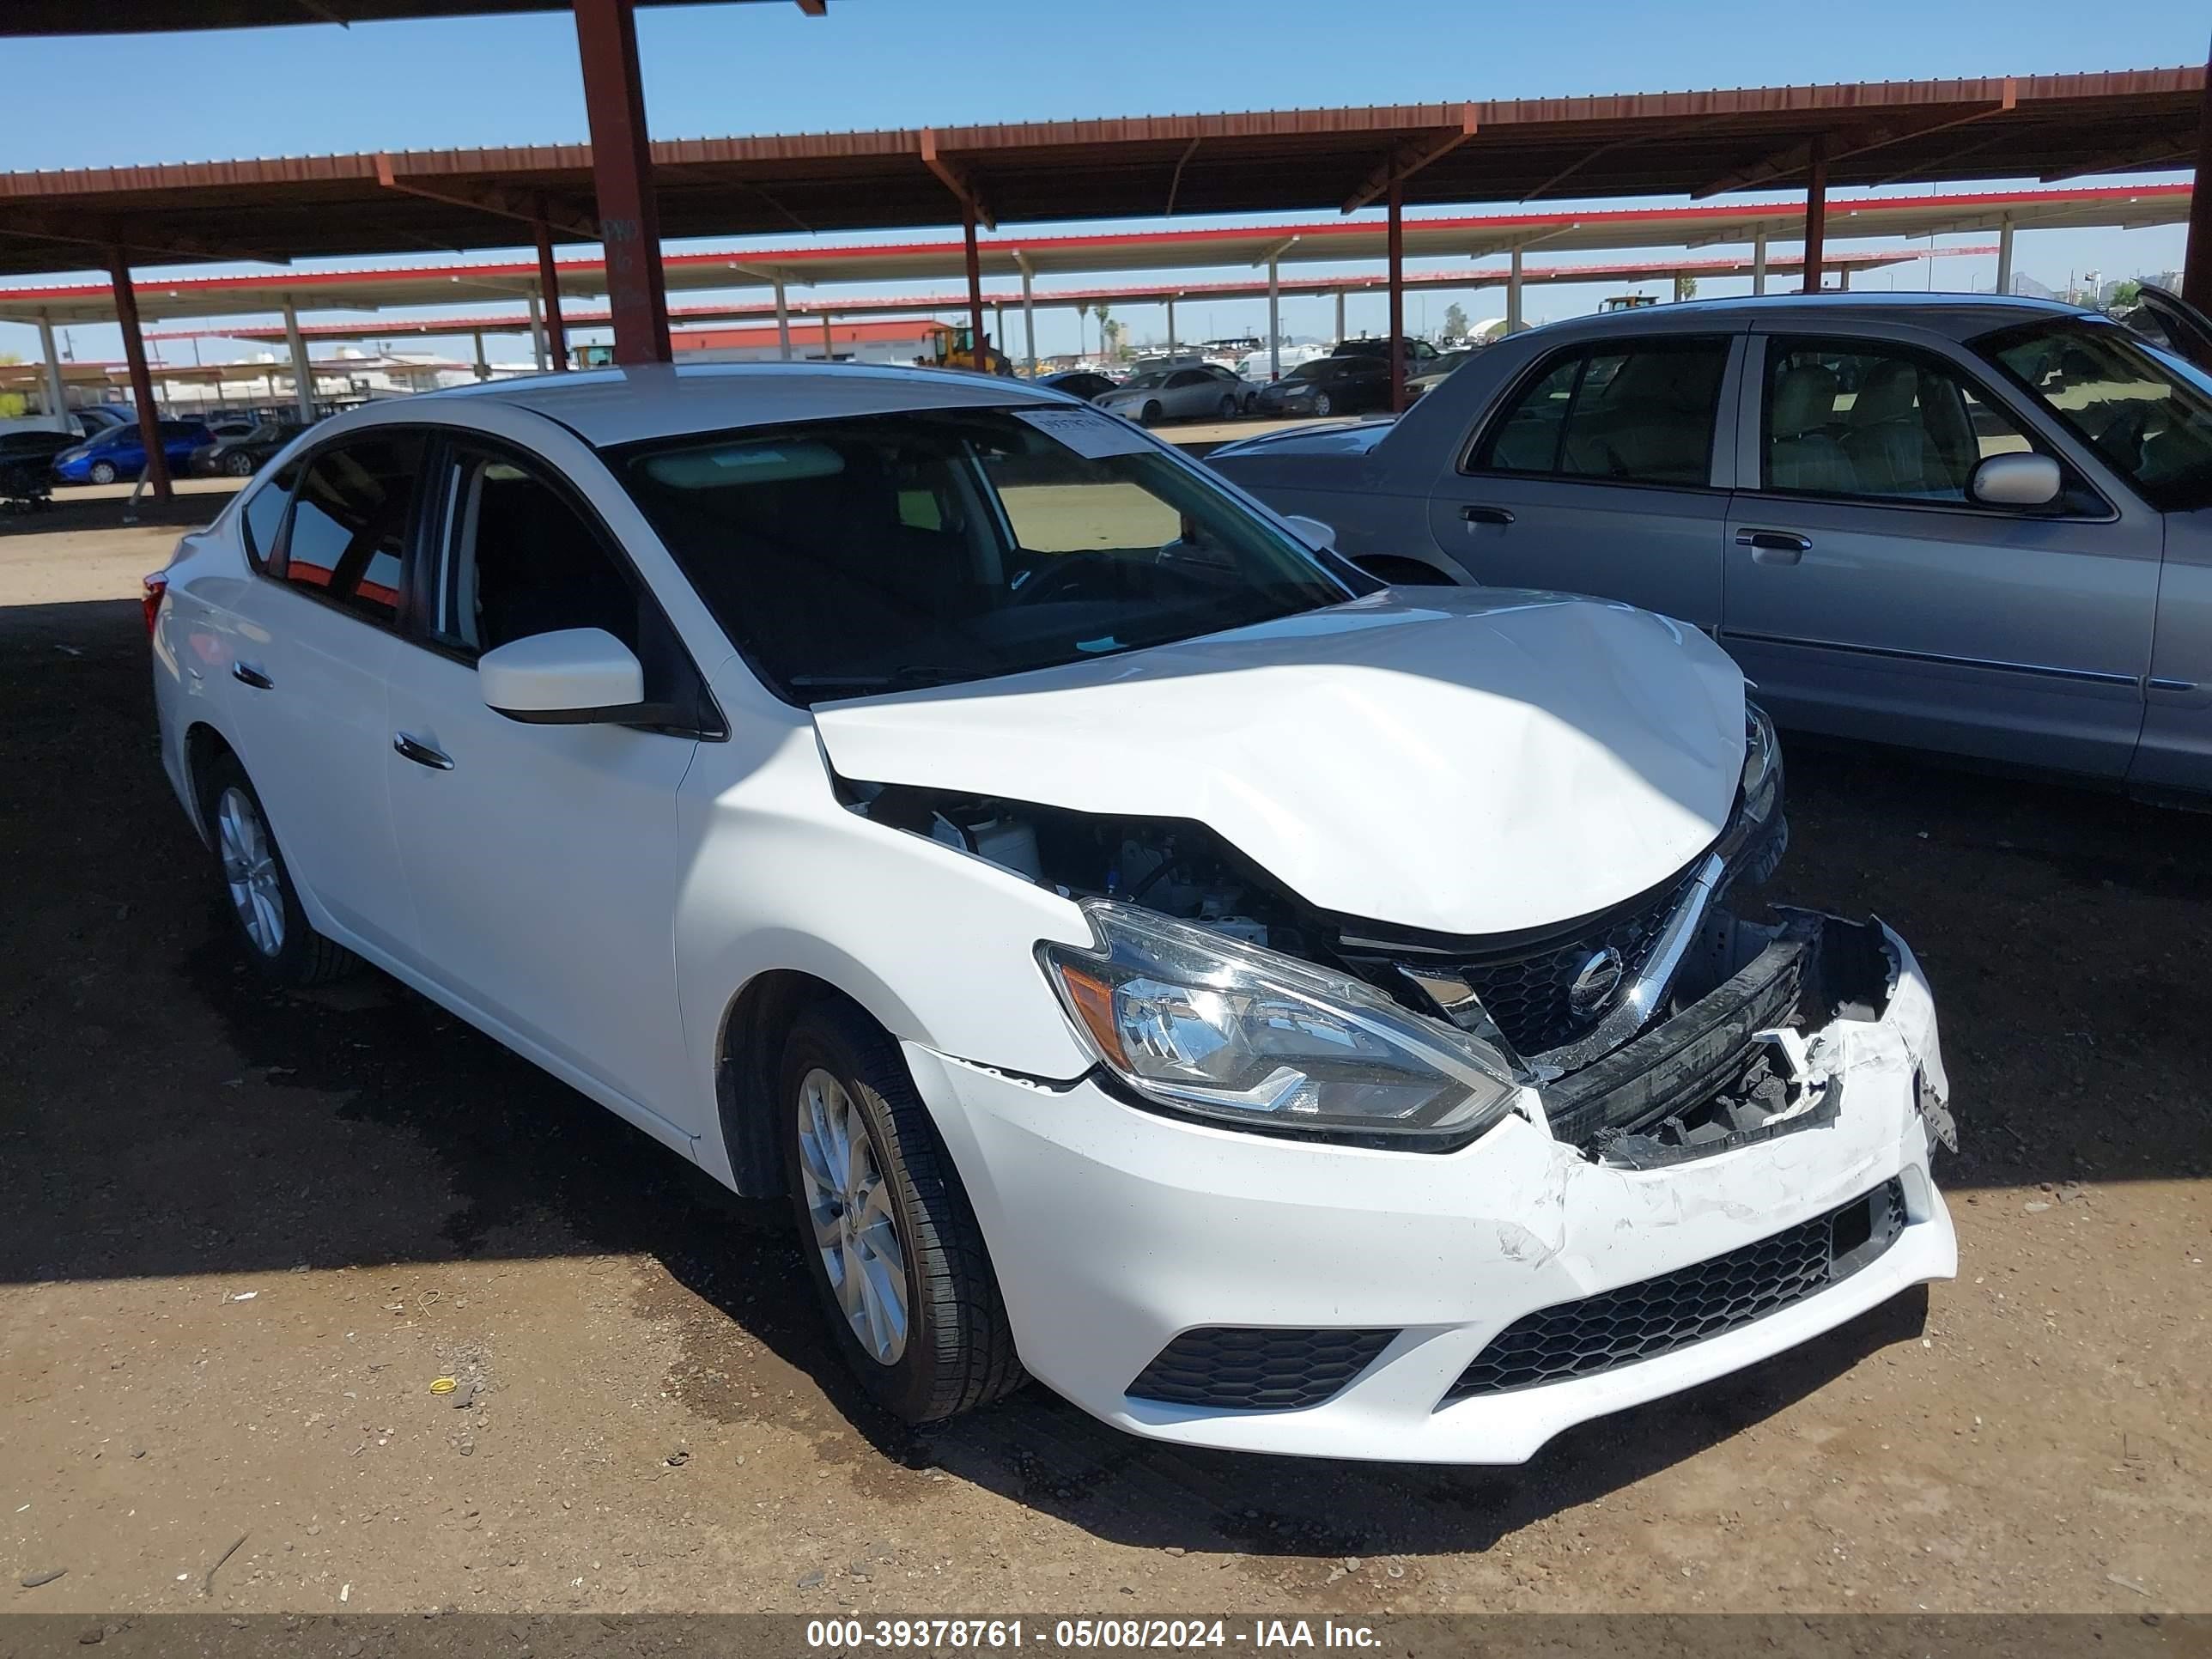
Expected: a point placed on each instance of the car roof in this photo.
(1961, 316)
(607, 406)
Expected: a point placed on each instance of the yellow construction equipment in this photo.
(955, 348)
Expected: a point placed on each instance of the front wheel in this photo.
(264, 903)
(103, 472)
(1321, 404)
(886, 1229)
(237, 463)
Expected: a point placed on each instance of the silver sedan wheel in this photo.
(849, 1202)
(249, 867)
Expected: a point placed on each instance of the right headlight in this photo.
(1198, 1024)
(1762, 764)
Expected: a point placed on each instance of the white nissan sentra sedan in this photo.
(1272, 1010)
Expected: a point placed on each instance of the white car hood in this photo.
(1471, 764)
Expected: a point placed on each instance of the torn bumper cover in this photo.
(1707, 1196)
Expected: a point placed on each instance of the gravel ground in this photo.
(240, 1233)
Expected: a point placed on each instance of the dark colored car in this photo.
(1350, 385)
(243, 454)
(27, 466)
(1083, 383)
(120, 452)
(1419, 354)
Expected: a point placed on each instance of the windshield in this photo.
(2144, 420)
(880, 552)
(1322, 368)
(1139, 382)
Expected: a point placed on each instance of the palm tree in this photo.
(1082, 341)
(1105, 330)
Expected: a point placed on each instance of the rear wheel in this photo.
(887, 1230)
(1228, 409)
(103, 472)
(262, 900)
(237, 463)
(1149, 415)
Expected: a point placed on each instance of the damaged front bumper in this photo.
(1681, 1215)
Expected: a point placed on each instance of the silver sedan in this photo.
(1203, 391)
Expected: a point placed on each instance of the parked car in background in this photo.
(1201, 392)
(1138, 948)
(1975, 525)
(1420, 355)
(27, 466)
(242, 452)
(1432, 373)
(1084, 383)
(1330, 386)
(120, 453)
(93, 419)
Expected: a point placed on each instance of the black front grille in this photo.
(1257, 1370)
(1526, 996)
(1643, 1320)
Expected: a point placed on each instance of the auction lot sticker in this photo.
(1089, 434)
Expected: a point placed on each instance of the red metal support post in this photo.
(548, 292)
(621, 169)
(2197, 262)
(142, 380)
(1397, 255)
(1816, 212)
(975, 283)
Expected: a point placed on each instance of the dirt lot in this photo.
(240, 1233)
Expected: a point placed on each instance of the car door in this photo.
(1601, 470)
(1870, 596)
(542, 859)
(1188, 394)
(315, 629)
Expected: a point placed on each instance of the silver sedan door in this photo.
(1604, 469)
(1869, 596)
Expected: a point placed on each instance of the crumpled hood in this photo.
(1470, 763)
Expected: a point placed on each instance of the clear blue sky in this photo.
(766, 68)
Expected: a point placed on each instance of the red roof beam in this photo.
(526, 207)
(1854, 140)
(1406, 159)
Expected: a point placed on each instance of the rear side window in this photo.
(1639, 414)
(262, 516)
(349, 528)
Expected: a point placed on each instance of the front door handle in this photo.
(419, 752)
(1775, 546)
(1480, 513)
(246, 674)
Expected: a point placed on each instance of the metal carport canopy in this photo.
(1646, 144)
(1471, 236)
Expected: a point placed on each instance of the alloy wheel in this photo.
(249, 870)
(849, 1203)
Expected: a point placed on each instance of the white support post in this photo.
(484, 363)
(1171, 338)
(303, 372)
(1275, 321)
(537, 335)
(1513, 294)
(1028, 319)
(1759, 263)
(2004, 255)
(782, 323)
(1843, 278)
(56, 398)
(1339, 315)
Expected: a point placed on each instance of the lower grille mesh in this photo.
(1643, 1320)
(1257, 1370)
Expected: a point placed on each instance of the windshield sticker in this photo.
(1090, 434)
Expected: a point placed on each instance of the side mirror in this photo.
(577, 677)
(2016, 480)
(1312, 531)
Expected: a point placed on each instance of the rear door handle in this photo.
(246, 674)
(419, 752)
(1477, 513)
(1775, 546)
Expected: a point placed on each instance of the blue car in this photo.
(120, 453)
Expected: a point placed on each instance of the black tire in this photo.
(1149, 415)
(102, 472)
(959, 1350)
(237, 463)
(303, 956)
(1228, 410)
